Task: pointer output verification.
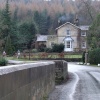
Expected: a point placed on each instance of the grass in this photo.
(14, 58)
(73, 56)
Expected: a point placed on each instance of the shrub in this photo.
(58, 48)
(34, 51)
(48, 50)
(42, 48)
(94, 56)
(3, 61)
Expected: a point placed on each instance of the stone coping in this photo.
(13, 68)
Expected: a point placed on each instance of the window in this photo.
(52, 44)
(68, 44)
(68, 32)
(83, 44)
(83, 33)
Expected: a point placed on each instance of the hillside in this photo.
(67, 8)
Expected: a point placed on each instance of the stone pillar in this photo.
(86, 58)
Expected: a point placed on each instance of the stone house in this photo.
(73, 37)
(41, 40)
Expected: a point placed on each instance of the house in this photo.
(72, 36)
(41, 40)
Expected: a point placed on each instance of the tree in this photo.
(6, 21)
(43, 22)
(37, 19)
(29, 47)
(8, 45)
(94, 34)
(6, 28)
(14, 29)
(27, 31)
(86, 12)
(88, 7)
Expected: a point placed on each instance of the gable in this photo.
(66, 24)
(62, 31)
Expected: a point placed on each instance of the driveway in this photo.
(83, 84)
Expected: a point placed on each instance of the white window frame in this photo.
(83, 33)
(52, 43)
(83, 44)
(70, 44)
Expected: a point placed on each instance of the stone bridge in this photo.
(31, 81)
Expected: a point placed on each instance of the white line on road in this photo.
(74, 87)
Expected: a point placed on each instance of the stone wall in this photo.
(32, 81)
(61, 71)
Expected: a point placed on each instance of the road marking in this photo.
(74, 87)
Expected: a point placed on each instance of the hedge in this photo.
(94, 56)
(3, 61)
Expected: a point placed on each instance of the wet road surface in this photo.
(84, 84)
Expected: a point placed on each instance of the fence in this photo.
(71, 57)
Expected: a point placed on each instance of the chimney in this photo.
(76, 20)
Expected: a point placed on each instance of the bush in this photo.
(58, 48)
(42, 48)
(48, 50)
(3, 61)
(94, 56)
(34, 51)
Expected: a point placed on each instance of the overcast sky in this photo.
(72, 0)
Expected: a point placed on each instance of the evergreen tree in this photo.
(27, 31)
(42, 21)
(0, 24)
(37, 20)
(14, 29)
(94, 34)
(8, 46)
(7, 28)
(15, 17)
(6, 21)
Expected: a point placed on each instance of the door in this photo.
(68, 46)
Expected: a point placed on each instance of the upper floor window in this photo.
(83, 33)
(68, 32)
(83, 44)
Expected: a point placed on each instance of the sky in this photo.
(72, 0)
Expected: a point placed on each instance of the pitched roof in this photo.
(42, 38)
(66, 24)
(68, 38)
(84, 27)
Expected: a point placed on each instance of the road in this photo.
(83, 84)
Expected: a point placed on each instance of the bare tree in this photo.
(87, 4)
